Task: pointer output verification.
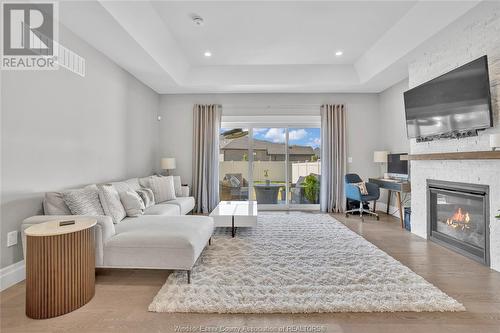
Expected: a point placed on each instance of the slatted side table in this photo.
(60, 267)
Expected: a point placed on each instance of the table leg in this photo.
(398, 196)
(388, 201)
(232, 226)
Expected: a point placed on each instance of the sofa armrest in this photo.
(184, 191)
(104, 230)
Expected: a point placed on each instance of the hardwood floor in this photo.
(122, 298)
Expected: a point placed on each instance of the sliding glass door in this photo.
(269, 166)
(278, 167)
(304, 165)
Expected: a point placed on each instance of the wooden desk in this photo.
(393, 186)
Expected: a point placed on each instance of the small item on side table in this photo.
(69, 222)
(60, 267)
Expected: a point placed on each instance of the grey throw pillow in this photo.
(53, 204)
(83, 201)
(132, 202)
(147, 196)
(110, 201)
(163, 188)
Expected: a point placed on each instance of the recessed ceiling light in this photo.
(207, 54)
(339, 53)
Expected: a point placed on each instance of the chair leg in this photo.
(189, 276)
(361, 211)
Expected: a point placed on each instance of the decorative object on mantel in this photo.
(498, 215)
(494, 141)
(380, 156)
(465, 155)
(168, 163)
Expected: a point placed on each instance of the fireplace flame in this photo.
(459, 220)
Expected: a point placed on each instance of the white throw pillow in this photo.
(110, 201)
(132, 202)
(147, 196)
(163, 188)
(84, 201)
(177, 186)
(362, 188)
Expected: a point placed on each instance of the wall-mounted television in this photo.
(455, 104)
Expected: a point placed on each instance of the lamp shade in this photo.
(168, 163)
(380, 156)
(495, 140)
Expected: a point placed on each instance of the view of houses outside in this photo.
(270, 170)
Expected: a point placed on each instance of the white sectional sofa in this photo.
(162, 238)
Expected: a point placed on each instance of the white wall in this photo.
(176, 129)
(60, 130)
(392, 127)
(472, 36)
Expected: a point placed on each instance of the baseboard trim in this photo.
(12, 274)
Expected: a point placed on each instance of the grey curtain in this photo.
(206, 126)
(333, 158)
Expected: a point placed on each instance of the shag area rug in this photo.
(298, 263)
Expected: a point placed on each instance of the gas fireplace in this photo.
(458, 217)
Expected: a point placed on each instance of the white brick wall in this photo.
(472, 36)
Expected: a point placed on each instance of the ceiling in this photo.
(262, 46)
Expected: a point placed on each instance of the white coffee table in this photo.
(235, 214)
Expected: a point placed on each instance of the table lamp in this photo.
(168, 163)
(380, 156)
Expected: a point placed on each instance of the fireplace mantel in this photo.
(466, 155)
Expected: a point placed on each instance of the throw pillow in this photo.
(83, 201)
(132, 202)
(147, 196)
(177, 186)
(110, 201)
(163, 188)
(53, 204)
(362, 188)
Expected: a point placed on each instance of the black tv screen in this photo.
(396, 165)
(455, 102)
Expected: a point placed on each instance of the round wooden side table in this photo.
(60, 267)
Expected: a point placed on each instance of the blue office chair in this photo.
(353, 192)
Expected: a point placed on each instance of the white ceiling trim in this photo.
(137, 39)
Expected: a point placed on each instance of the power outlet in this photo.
(12, 238)
(349, 159)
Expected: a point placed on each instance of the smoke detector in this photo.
(197, 20)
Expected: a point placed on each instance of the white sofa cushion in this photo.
(164, 209)
(163, 188)
(167, 242)
(132, 202)
(53, 204)
(185, 204)
(84, 201)
(110, 201)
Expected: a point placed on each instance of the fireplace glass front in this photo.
(458, 217)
